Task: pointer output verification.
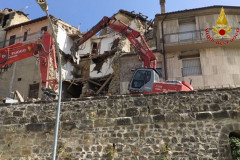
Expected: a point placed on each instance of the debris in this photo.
(48, 93)
(10, 100)
(19, 96)
(105, 83)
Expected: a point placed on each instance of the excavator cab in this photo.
(143, 80)
(147, 81)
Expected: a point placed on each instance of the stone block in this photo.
(172, 117)
(123, 121)
(156, 111)
(158, 118)
(221, 114)
(18, 113)
(104, 122)
(68, 125)
(10, 120)
(86, 124)
(203, 116)
(35, 127)
(140, 102)
(24, 120)
(155, 101)
(34, 119)
(50, 126)
(130, 112)
(214, 107)
(141, 120)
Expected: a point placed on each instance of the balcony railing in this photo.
(195, 36)
(30, 37)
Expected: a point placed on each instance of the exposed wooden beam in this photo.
(104, 84)
(94, 82)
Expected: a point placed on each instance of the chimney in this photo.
(162, 4)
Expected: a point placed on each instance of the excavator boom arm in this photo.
(45, 49)
(148, 58)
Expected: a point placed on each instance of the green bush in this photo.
(235, 147)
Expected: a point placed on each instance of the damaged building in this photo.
(24, 75)
(9, 17)
(102, 65)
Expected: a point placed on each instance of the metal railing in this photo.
(30, 37)
(194, 70)
(196, 35)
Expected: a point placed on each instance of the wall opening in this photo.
(95, 48)
(33, 90)
(6, 17)
(72, 90)
(12, 40)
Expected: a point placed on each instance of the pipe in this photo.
(163, 51)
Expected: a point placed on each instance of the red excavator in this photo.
(44, 49)
(145, 80)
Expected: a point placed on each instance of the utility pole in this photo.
(44, 6)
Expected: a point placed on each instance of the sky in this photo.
(87, 13)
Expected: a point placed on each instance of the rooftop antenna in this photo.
(79, 25)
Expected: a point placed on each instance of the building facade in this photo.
(194, 50)
(24, 75)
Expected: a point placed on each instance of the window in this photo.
(191, 67)
(191, 63)
(44, 29)
(12, 40)
(33, 90)
(25, 36)
(159, 70)
(94, 48)
(187, 28)
(140, 78)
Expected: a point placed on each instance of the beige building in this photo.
(24, 75)
(9, 17)
(196, 46)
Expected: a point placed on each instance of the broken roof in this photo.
(34, 21)
(9, 10)
(133, 14)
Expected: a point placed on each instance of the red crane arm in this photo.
(94, 30)
(21, 51)
(148, 58)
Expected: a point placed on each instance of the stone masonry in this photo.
(178, 126)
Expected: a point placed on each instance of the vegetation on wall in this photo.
(235, 147)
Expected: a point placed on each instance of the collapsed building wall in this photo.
(103, 55)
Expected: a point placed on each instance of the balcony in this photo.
(197, 39)
(30, 37)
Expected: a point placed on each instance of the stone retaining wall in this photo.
(178, 126)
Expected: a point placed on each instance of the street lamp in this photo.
(44, 6)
